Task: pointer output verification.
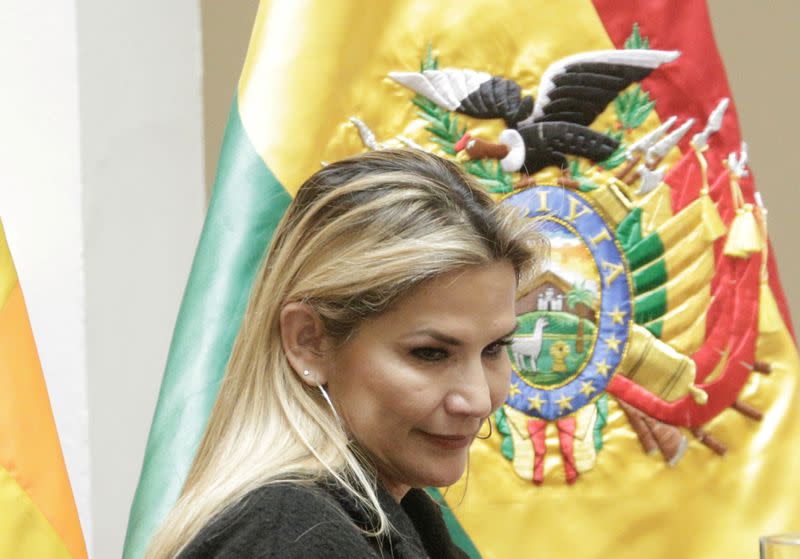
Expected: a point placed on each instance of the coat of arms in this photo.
(650, 297)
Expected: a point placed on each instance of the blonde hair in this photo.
(360, 233)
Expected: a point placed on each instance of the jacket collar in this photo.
(418, 530)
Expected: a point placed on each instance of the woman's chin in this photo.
(443, 475)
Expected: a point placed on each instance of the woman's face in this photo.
(414, 383)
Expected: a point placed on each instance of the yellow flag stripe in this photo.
(523, 447)
(684, 318)
(680, 256)
(24, 531)
(691, 339)
(691, 279)
(675, 230)
(8, 274)
(29, 446)
(292, 104)
(656, 208)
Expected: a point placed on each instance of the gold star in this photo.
(514, 390)
(587, 388)
(536, 403)
(617, 316)
(613, 343)
(603, 368)
(565, 402)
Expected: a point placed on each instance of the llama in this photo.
(529, 346)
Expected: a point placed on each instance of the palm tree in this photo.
(580, 294)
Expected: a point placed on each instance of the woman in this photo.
(372, 350)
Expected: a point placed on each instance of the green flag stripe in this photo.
(602, 420)
(648, 278)
(651, 306)
(629, 231)
(460, 537)
(646, 250)
(246, 205)
(656, 328)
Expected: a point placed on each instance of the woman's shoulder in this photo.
(285, 520)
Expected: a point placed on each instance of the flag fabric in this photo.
(38, 518)
(653, 408)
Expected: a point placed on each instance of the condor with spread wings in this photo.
(573, 91)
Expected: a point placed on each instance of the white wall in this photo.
(102, 197)
(40, 205)
(140, 67)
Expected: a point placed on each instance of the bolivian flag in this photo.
(38, 518)
(657, 415)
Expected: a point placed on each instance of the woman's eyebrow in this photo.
(444, 338)
(435, 334)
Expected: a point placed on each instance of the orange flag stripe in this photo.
(29, 448)
(24, 531)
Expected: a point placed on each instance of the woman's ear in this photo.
(304, 342)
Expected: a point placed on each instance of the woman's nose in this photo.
(471, 393)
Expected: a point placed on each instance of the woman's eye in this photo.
(430, 353)
(497, 348)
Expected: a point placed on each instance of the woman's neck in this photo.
(396, 490)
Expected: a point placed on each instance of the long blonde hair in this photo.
(360, 233)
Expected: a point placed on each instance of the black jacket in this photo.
(294, 521)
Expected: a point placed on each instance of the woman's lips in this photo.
(449, 442)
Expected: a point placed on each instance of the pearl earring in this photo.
(307, 373)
